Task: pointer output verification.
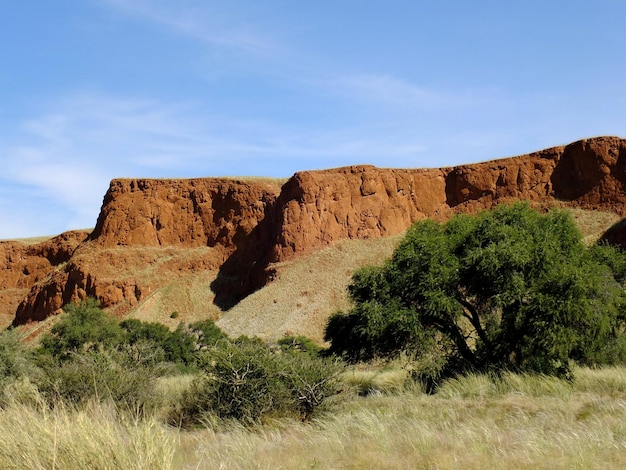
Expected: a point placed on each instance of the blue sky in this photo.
(97, 89)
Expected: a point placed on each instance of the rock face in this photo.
(317, 208)
(188, 213)
(143, 222)
(246, 225)
(24, 265)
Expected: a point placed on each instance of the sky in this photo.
(92, 90)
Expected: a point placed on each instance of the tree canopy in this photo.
(508, 288)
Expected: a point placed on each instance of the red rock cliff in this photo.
(318, 207)
(189, 212)
(248, 225)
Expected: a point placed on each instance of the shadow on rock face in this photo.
(246, 270)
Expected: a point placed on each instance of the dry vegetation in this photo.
(475, 422)
(381, 421)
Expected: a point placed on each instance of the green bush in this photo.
(15, 361)
(206, 334)
(113, 375)
(245, 380)
(180, 345)
(83, 327)
(299, 344)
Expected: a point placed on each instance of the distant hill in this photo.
(272, 257)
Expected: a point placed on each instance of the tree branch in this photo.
(474, 319)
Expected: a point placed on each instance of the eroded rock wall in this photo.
(182, 212)
(248, 225)
(317, 208)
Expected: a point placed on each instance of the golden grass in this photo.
(592, 224)
(95, 438)
(392, 378)
(474, 422)
(512, 430)
(29, 240)
(528, 423)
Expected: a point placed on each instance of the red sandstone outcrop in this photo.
(174, 216)
(182, 212)
(22, 265)
(319, 207)
(247, 225)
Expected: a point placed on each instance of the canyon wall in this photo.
(244, 226)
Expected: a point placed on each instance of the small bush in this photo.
(299, 344)
(112, 375)
(206, 334)
(84, 327)
(180, 345)
(245, 380)
(15, 362)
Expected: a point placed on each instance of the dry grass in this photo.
(371, 381)
(593, 224)
(529, 426)
(29, 240)
(265, 180)
(306, 292)
(95, 438)
(477, 422)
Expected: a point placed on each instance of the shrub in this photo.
(180, 345)
(245, 380)
(15, 360)
(108, 375)
(206, 334)
(84, 327)
(299, 344)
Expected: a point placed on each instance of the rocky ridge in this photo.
(150, 230)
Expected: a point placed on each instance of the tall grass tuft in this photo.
(605, 381)
(371, 381)
(475, 386)
(96, 436)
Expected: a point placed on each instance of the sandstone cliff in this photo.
(150, 230)
(23, 265)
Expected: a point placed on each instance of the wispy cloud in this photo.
(394, 92)
(201, 21)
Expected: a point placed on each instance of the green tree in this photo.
(509, 288)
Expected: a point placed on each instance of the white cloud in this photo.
(395, 93)
(200, 21)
